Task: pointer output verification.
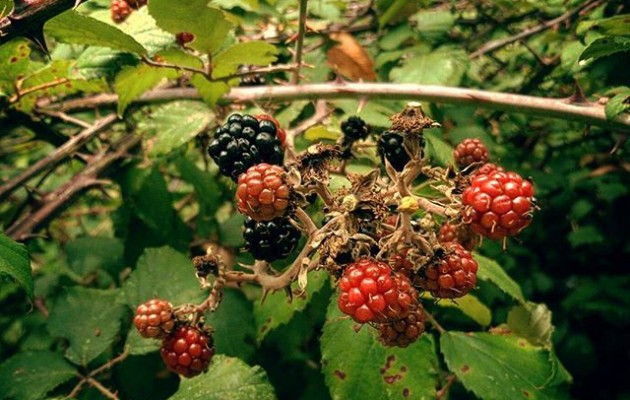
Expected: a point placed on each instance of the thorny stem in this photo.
(434, 323)
(299, 45)
(584, 112)
(306, 220)
(443, 392)
(99, 386)
(21, 93)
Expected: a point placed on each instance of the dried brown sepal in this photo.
(315, 163)
(412, 120)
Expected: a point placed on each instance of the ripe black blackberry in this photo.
(271, 240)
(390, 147)
(354, 128)
(244, 141)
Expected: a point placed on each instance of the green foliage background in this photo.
(560, 289)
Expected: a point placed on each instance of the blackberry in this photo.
(271, 240)
(470, 151)
(154, 318)
(390, 147)
(120, 10)
(244, 141)
(354, 128)
(187, 351)
(262, 192)
(402, 332)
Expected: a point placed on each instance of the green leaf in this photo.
(617, 25)
(442, 66)
(31, 375)
(132, 81)
(437, 149)
(93, 253)
(533, 322)
(357, 366)
(96, 62)
(208, 194)
(227, 378)
(605, 46)
(209, 91)
(231, 231)
(498, 366)
(208, 25)
(6, 7)
(233, 324)
(15, 56)
(89, 319)
(137, 345)
(469, 305)
(15, 262)
(319, 132)
(247, 5)
(162, 273)
(142, 27)
(490, 271)
(433, 24)
(617, 104)
(72, 27)
(248, 53)
(276, 309)
(585, 235)
(174, 124)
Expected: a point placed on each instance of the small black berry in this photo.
(390, 147)
(271, 240)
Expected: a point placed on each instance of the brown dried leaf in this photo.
(349, 59)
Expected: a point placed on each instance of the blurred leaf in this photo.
(175, 124)
(208, 25)
(437, 149)
(618, 104)
(349, 59)
(96, 62)
(247, 5)
(433, 24)
(442, 66)
(16, 62)
(15, 262)
(162, 273)
(231, 231)
(357, 366)
(276, 309)
(533, 322)
(31, 375)
(489, 270)
(72, 27)
(247, 53)
(93, 253)
(233, 324)
(469, 305)
(89, 319)
(227, 378)
(146, 192)
(319, 132)
(605, 46)
(6, 7)
(581, 208)
(498, 366)
(143, 28)
(617, 25)
(585, 235)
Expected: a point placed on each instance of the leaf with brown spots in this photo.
(349, 59)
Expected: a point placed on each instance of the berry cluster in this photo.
(451, 275)
(244, 141)
(353, 129)
(121, 9)
(391, 148)
(262, 192)
(469, 152)
(186, 349)
(271, 240)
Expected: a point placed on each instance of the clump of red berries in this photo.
(262, 192)
(120, 10)
(187, 351)
(451, 275)
(372, 292)
(470, 151)
(154, 319)
(404, 331)
(498, 204)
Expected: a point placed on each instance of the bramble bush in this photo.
(313, 199)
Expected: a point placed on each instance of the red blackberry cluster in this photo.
(244, 141)
(451, 275)
(498, 204)
(262, 193)
(271, 240)
(390, 147)
(402, 332)
(488, 168)
(372, 292)
(470, 151)
(154, 319)
(187, 351)
(120, 10)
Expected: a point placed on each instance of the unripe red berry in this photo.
(404, 331)
(450, 276)
(262, 192)
(470, 151)
(187, 351)
(154, 319)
